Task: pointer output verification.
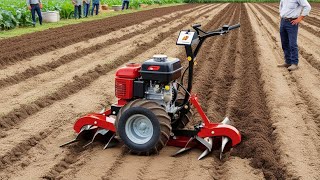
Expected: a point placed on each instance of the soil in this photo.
(49, 79)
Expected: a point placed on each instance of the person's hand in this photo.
(40, 5)
(297, 21)
(29, 7)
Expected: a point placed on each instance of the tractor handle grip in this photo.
(234, 26)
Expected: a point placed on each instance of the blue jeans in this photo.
(77, 10)
(86, 9)
(125, 3)
(289, 36)
(36, 8)
(97, 8)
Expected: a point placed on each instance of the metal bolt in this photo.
(95, 122)
(212, 132)
(186, 106)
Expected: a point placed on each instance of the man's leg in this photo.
(93, 5)
(75, 12)
(123, 4)
(88, 7)
(127, 4)
(33, 15)
(293, 38)
(285, 41)
(97, 9)
(39, 14)
(79, 10)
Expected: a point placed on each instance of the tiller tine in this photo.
(186, 148)
(224, 142)
(112, 142)
(83, 132)
(99, 131)
(92, 126)
(207, 142)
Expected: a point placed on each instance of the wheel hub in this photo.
(139, 129)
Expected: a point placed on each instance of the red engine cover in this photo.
(124, 80)
(130, 71)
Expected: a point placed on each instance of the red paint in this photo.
(215, 129)
(153, 68)
(100, 120)
(124, 88)
(130, 71)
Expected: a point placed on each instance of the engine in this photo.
(155, 79)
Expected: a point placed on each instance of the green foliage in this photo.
(13, 16)
(15, 13)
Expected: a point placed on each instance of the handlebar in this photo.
(234, 26)
(223, 30)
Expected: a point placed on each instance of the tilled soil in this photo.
(49, 79)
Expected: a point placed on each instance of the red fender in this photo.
(215, 129)
(221, 130)
(95, 119)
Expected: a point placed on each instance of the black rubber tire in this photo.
(159, 118)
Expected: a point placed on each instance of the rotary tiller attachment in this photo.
(207, 142)
(93, 127)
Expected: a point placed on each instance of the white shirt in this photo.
(294, 8)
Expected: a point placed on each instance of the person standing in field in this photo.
(77, 8)
(95, 4)
(125, 3)
(86, 6)
(35, 6)
(292, 12)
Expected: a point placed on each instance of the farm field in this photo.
(48, 79)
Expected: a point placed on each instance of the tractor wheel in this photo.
(144, 126)
(186, 115)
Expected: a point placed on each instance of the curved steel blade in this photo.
(208, 150)
(110, 144)
(226, 120)
(185, 149)
(83, 129)
(205, 142)
(181, 151)
(99, 131)
(225, 140)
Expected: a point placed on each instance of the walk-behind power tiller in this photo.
(153, 108)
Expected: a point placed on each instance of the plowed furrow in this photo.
(250, 113)
(221, 77)
(291, 120)
(52, 65)
(64, 36)
(79, 82)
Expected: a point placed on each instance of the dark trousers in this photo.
(125, 3)
(77, 11)
(86, 9)
(97, 8)
(36, 8)
(289, 36)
